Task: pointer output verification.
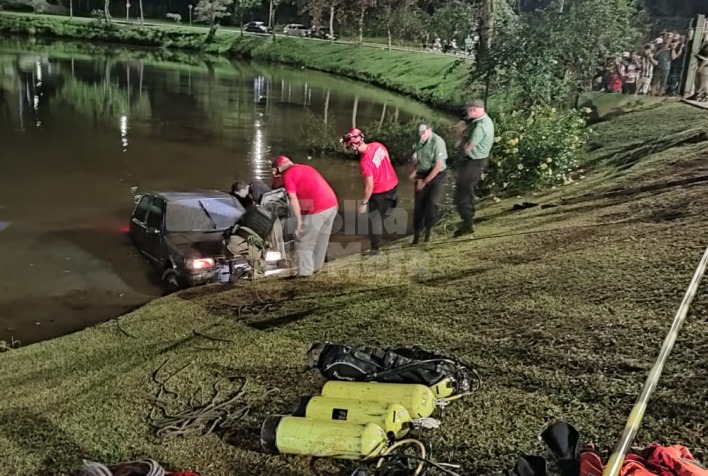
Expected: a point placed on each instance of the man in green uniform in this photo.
(478, 145)
(429, 163)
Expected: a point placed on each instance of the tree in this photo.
(552, 52)
(107, 10)
(271, 16)
(317, 8)
(142, 17)
(209, 11)
(240, 7)
(362, 6)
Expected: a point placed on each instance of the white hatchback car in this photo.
(296, 29)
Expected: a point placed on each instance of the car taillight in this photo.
(201, 263)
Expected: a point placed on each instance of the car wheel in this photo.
(170, 281)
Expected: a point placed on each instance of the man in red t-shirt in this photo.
(380, 183)
(314, 206)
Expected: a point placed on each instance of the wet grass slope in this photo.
(562, 310)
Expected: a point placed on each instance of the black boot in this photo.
(416, 238)
(463, 229)
(428, 235)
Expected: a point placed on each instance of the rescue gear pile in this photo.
(404, 365)
(373, 398)
(134, 468)
(572, 460)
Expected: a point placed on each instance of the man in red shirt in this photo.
(314, 206)
(380, 183)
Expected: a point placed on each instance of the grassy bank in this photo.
(562, 310)
(437, 80)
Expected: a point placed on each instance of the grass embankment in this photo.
(561, 309)
(440, 81)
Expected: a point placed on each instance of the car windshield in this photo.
(202, 214)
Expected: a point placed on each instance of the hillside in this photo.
(562, 309)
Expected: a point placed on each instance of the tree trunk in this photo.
(388, 28)
(361, 24)
(71, 8)
(486, 32)
(212, 31)
(331, 23)
(240, 20)
(142, 17)
(127, 10)
(273, 7)
(326, 107)
(107, 10)
(383, 116)
(354, 111)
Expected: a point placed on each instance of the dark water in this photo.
(83, 130)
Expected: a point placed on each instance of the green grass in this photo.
(562, 310)
(437, 80)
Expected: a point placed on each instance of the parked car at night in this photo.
(257, 27)
(321, 33)
(296, 29)
(182, 235)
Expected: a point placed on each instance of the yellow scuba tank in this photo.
(419, 400)
(393, 418)
(329, 439)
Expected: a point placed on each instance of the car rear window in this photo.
(207, 214)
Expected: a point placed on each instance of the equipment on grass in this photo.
(393, 418)
(446, 376)
(330, 439)
(419, 400)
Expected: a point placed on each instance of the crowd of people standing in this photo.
(655, 70)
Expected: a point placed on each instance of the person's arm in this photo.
(297, 213)
(440, 158)
(475, 138)
(368, 188)
(414, 170)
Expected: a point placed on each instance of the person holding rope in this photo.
(429, 172)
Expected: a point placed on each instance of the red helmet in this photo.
(352, 139)
(281, 163)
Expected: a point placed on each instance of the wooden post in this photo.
(689, 72)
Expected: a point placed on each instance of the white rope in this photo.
(635, 417)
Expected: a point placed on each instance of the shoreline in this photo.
(439, 82)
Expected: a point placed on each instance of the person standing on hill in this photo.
(314, 206)
(429, 172)
(380, 183)
(478, 146)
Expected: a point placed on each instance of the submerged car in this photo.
(183, 235)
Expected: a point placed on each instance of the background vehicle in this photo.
(296, 29)
(321, 33)
(257, 27)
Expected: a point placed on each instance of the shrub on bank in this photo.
(539, 147)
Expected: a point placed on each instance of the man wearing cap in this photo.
(429, 163)
(314, 206)
(249, 194)
(477, 148)
(380, 183)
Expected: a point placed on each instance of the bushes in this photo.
(540, 146)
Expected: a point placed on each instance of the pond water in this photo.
(84, 128)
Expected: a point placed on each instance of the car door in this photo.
(137, 221)
(154, 239)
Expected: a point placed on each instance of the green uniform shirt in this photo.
(482, 136)
(430, 151)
